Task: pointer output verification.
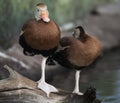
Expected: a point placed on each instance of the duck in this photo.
(40, 36)
(77, 52)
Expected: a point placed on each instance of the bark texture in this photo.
(19, 89)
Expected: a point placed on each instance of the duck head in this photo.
(41, 12)
(80, 34)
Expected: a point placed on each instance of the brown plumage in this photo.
(41, 5)
(82, 53)
(81, 50)
(41, 35)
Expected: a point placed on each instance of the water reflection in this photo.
(106, 85)
(109, 86)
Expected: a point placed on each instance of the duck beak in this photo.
(44, 14)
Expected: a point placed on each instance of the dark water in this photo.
(105, 77)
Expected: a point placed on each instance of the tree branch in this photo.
(17, 88)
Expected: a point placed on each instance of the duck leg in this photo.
(47, 88)
(77, 77)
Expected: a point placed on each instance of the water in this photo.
(107, 84)
(108, 81)
(105, 77)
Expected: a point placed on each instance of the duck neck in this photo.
(82, 37)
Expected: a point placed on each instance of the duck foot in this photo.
(47, 88)
(78, 93)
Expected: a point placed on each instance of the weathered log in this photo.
(19, 89)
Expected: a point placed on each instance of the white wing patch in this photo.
(21, 33)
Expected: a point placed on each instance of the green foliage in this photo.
(68, 10)
(13, 14)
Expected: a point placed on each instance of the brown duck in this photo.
(40, 36)
(77, 52)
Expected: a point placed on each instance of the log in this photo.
(19, 89)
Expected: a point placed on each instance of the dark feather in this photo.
(27, 50)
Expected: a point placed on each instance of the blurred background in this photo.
(13, 13)
(100, 18)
